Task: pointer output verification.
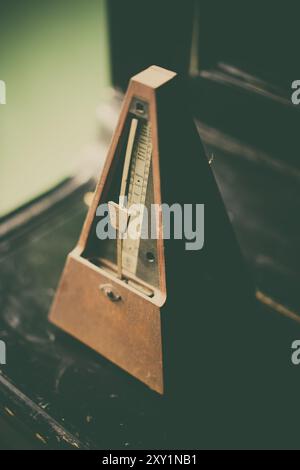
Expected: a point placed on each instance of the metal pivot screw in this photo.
(110, 293)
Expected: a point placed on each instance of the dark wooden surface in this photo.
(263, 203)
(56, 393)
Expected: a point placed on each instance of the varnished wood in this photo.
(151, 337)
(127, 331)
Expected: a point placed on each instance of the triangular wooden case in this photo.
(153, 322)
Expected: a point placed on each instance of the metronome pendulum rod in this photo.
(124, 181)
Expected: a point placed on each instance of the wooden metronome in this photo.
(145, 304)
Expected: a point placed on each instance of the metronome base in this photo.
(109, 317)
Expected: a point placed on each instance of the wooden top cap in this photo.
(154, 76)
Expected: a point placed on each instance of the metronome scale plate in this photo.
(138, 182)
(132, 257)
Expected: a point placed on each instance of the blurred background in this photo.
(58, 58)
(66, 65)
(54, 58)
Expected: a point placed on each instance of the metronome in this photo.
(145, 302)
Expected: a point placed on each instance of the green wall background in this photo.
(54, 60)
